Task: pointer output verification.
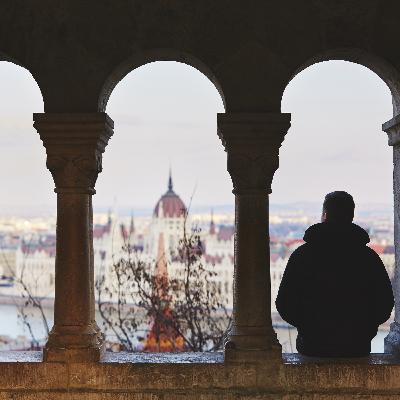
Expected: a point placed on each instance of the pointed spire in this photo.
(170, 184)
(132, 225)
(212, 225)
(109, 220)
(124, 233)
(162, 264)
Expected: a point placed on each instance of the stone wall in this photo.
(198, 377)
(78, 51)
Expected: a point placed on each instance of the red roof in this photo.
(378, 248)
(100, 230)
(294, 242)
(213, 259)
(50, 251)
(171, 204)
(225, 233)
(274, 257)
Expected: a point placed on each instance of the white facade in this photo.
(278, 265)
(36, 268)
(168, 222)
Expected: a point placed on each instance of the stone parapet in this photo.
(199, 376)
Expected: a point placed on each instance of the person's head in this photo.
(338, 207)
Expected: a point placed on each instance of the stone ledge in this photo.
(372, 359)
(21, 356)
(200, 358)
(164, 358)
(197, 376)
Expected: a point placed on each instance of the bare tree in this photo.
(199, 310)
(30, 300)
(184, 313)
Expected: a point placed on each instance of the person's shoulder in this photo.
(298, 260)
(301, 251)
(371, 258)
(370, 252)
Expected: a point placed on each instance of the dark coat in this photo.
(335, 291)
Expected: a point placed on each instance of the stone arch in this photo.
(381, 67)
(6, 58)
(142, 58)
(375, 69)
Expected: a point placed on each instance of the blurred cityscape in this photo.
(28, 248)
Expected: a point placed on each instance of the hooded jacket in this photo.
(335, 291)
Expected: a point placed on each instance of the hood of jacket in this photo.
(329, 232)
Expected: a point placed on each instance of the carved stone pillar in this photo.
(252, 143)
(392, 128)
(74, 145)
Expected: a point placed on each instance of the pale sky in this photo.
(165, 114)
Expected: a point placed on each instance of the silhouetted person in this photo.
(335, 289)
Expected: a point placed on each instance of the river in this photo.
(11, 326)
(287, 338)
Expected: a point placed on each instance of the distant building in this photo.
(278, 265)
(160, 242)
(33, 255)
(35, 264)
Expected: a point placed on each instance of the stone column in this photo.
(74, 145)
(392, 128)
(252, 143)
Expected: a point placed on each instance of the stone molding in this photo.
(392, 128)
(252, 142)
(74, 145)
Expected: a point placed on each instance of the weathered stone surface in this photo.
(172, 377)
(74, 145)
(161, 358)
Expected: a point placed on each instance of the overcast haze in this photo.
(165, 114)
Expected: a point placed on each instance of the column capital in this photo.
(392, 128)
(252, 142)
(74, 145)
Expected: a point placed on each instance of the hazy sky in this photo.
(165, 114)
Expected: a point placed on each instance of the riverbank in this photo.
(12, 328)
(47, 302)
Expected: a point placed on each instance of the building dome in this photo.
(170, 204)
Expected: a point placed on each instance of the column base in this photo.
(78, 344)
(273, 355)
(392, 340)
(253, 348)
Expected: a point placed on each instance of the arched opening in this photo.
(148, 57)
(27, 215)
(335, 143)
(163, 206)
